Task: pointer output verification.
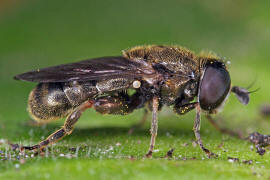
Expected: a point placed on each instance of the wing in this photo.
(92, 69)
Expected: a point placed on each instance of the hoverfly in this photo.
(159, 75)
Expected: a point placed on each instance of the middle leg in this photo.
(125, 105)
(154, 126)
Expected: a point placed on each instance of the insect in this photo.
(158, 75)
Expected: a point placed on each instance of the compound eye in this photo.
(214, 88)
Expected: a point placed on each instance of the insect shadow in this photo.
(183, 131)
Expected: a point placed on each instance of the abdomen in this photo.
(50, 101)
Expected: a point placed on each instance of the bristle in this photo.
(208, 55)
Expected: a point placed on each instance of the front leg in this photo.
(183, 109)
(196, 129)
(212, 121)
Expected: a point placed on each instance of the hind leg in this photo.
(65, 130)
(104, 105)
(140, 124)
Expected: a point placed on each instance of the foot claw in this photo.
(211, 155)
(133, 128)
(149, 154)
(130, 131)
(31, 148)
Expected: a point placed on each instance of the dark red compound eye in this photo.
(214, 87)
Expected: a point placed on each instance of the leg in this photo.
(154, 126)
(140, 124)
(196, 129)
(105, 105)
(224, 130)
(65, 130)
(35, 123)
(183, 109)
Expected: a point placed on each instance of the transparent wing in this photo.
(92, 69)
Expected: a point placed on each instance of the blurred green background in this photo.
(35, 34)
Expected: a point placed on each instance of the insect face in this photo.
(215, 86)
